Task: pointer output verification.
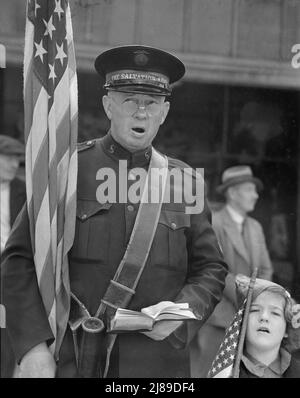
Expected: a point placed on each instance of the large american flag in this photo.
(50, 101)
(223, 364)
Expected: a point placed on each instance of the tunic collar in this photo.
(139, 158)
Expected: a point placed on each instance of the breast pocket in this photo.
(169, 245)
(92, 233)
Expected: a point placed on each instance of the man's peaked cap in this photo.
(138, 68)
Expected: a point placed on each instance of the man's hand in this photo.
(37, 363)
(163, 329)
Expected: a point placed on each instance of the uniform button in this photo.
(147, 155)
(130, 208)
(84, 216)
(173, 225)
(89, 142)
(112, 149)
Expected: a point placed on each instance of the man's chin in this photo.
(135, 145)
(138, 142)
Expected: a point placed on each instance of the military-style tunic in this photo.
(184, 264)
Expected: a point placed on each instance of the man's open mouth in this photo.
(139, 130)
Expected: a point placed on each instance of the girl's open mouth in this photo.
(263, 329)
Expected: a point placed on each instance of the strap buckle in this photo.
(92, 325)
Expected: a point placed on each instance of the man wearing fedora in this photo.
(242, 241)
(180, 261)
(12, 198)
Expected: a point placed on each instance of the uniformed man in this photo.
(183, 264)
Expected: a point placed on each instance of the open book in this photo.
(126, 320)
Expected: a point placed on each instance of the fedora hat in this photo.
(237, 175)
(139, 69)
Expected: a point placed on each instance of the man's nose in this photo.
(141, 112)
(253, 196)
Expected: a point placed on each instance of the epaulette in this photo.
(173, 162)
(196, 174)
(82, 146)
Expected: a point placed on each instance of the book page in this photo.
(164, 307)
(128, 320)
(176, 315)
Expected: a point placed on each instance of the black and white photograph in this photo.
(150, 191)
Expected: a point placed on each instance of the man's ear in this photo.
(230, 193)
(165, 111)
(106, 101)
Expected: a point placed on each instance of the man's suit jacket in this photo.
(239, 259)
(17, 199)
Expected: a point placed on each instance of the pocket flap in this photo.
(175, 219)
(88, 208)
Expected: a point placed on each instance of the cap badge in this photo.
(141, 58)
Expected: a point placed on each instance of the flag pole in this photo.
(236, 367)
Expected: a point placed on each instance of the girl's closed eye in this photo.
(277, 313)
